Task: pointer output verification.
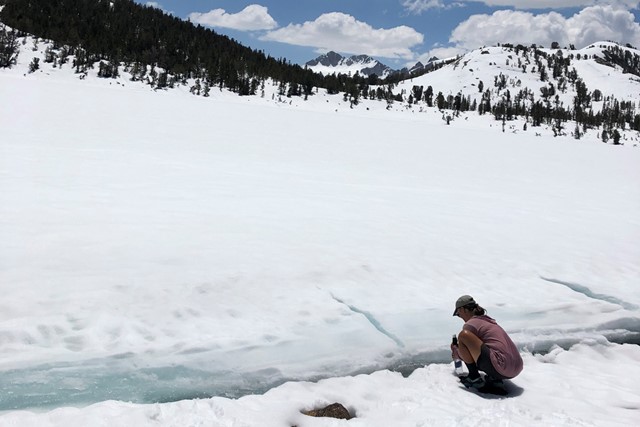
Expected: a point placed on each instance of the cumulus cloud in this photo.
(440, 52)
(157, 5)
(252, 18)
(419, 6)
(603, 23)
(590, 25)
(544, 4)
(510, 26)
(343, 33)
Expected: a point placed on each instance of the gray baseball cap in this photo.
(462, 301)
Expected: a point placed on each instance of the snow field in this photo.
(159, 245)
(591, 385)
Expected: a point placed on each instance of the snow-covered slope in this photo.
(160, 246)
(520, 71)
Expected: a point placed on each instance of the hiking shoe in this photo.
(493, 386)
(493, 382)
(476, 383)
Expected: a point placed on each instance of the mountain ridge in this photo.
(597, 87)
(334, 63)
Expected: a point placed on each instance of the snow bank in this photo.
(157, 246)
(593, 384)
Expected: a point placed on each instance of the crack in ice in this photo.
(590, 294)
(371, 319)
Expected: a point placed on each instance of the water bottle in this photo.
(457, 363)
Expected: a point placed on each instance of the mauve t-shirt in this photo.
(504, 354)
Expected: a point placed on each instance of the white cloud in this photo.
(419, 6)
(157, 6)
(510, 26)
(590, 25)
(252, 18)
(544, 4)
(440, 52)
(603, 23)
(343, 33)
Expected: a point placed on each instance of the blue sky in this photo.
(402, 32)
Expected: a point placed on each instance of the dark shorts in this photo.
(484, 364)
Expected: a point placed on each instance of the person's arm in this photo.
(468, 326)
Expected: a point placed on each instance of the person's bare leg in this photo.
(469, 346)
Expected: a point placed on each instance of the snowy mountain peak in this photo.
(419, 66)
(334, 63)
(329, 59)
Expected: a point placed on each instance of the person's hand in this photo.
(454, 352)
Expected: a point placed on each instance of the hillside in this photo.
(499, 69)
(595, 88)
(161, 248)
(573, 92)
(119, 32)
(174, 254)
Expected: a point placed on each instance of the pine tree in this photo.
(417, 93)
(196, 88)
(428, 96)
(49, 55)
(543, 74)
(8, 47)
(440, 101)
(616, 137)
(163, 80)
(34, 65)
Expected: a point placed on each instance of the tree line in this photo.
(123, 32)
(160, 49)
(165, 51)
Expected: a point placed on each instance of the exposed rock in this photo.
(362, 64)
(329, 59)
(416, 68)
(335, 410)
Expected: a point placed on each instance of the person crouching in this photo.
(484, 346)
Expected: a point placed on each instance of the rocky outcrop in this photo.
(335, 410)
